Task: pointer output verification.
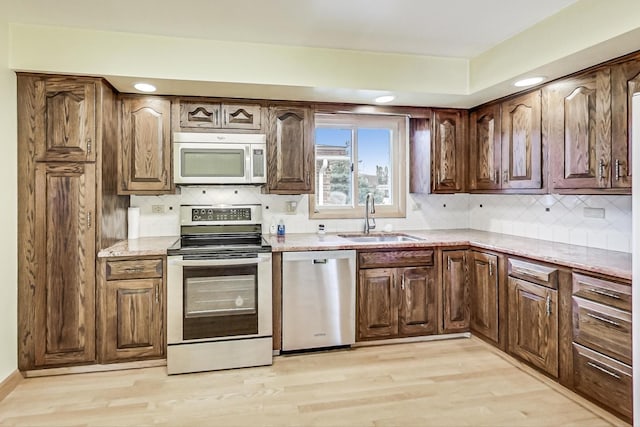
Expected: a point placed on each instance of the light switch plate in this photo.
(157, 209)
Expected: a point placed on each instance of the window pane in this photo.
(374, 165)
(334, 180)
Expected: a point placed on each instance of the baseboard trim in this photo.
(10, 383)
(411, 339)
(95, 368)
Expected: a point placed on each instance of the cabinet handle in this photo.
(88, 219)
(601, 369)
(88, 145)
(604, 293)
(157, 296)
(217, 117)
(448, 263)
(134, 269)
(490, 269)
(601, 169)
(506, 176)
(393, 280)
(548, 305)
(617, 170)
(402, 282)
(496, 175)
(308, 181)
(604, 320)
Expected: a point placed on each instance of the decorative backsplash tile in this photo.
(548, 217)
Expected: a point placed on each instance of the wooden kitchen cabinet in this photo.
(448, 152)
(578, 118)
(64, 299)
(484, 294)
(65, 110)
(506, 145)
(131, 309)
(455, 291)
(214, 115)
(398, 301)
(145, 146)
(290, 150)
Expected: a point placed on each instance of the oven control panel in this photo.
(220, 214)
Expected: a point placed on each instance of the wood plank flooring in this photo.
(461, 382)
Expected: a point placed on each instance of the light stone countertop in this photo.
(611, 263)
(142, 246)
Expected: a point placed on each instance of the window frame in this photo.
(399, 124)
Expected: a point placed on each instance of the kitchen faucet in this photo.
(369, 223)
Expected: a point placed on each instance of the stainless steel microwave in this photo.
(219, 158)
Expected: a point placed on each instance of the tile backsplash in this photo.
(548, 217)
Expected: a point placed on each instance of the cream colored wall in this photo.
(8, 219)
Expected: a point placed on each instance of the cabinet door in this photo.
(579, 134)
(483, 286)
(133, 325)
(625, 81)
(64, 291)
(377, 303)
(455, 291)
(449, 135)
(145, 165)
(67, 108)
(418, 308)
(241, 116)
(522, 142)
(533, 324)
(485, 148)
(198, 115)
(290, 151)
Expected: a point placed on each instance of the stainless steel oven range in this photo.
(219, 291)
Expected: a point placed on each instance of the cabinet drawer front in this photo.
(401, 258)
(602, 378)
(602, 328)
(134, 269)
(614, 294)
(540, 274)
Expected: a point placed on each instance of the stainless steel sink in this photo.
(380, 238)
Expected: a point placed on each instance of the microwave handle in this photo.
(216, 262)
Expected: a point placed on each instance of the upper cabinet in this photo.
(145, 146)
(448, 150)
(193, 115)
(290, 150)
(506, 145)
(578, 121)
(66, 113)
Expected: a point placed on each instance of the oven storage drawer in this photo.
(134, 269)
(603, 379)
(603, 291)
(602, 328)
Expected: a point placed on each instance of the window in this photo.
(356, 154)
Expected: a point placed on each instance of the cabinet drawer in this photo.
(603, 379)
(401, 258)
(614, 294)
(536, 273)
(602, 328)
(134, 269)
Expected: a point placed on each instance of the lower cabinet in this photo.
(396, 301)
(484, 290)
(455, 291)
(131, 310)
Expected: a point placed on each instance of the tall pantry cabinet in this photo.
(68, 210)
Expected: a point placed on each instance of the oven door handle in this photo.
(217, 262)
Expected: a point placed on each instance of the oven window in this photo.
(220, 301)
(212, 163)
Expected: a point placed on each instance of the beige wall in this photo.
(8, 202)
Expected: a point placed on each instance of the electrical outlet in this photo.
(593, 212)
(157, 209)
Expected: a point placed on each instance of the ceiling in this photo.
(427, 27)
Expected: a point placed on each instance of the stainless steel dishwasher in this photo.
(318, 299)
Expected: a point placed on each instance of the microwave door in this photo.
(196, 163)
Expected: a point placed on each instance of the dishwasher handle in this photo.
(320, 261)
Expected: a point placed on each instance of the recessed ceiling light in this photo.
(529, 81)
(384, 99)
(145, 87)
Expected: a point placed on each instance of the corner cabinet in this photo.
(145, 145)
(455, 291)
(131, 309)
(484, 290)
(396, 294)
(448, 152)
(290, 150)
(485, 148)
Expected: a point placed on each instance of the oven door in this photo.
(214, 299)
(220, 163)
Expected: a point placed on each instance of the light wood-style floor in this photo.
(462, 382)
